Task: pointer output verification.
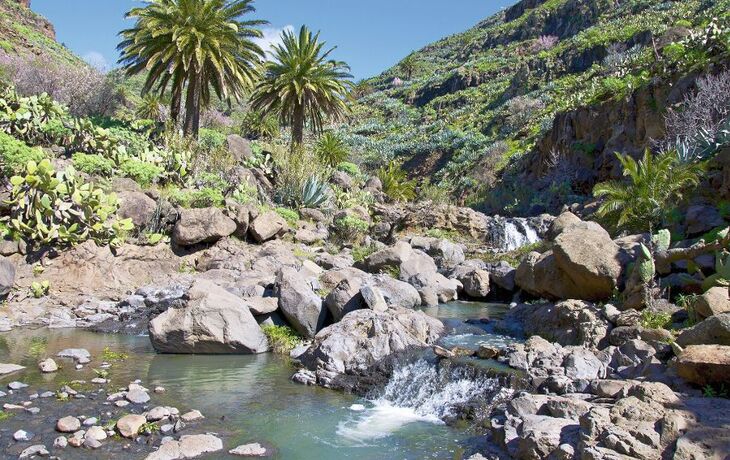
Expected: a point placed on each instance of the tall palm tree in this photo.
(191, 46)
(301, 85)
(654, 182)
(409, 65)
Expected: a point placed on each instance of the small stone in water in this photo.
(12, 407)
(137, 396)
(92, 443)
(167, 428)
(39, 450)
(249, 450)
(22, 435)
(79, 367)
(60, 442)
(99, 380)
(47, 394)
(33, 410)
(91, 421)
(121, 403)
(96, 433)
(357, 408)
(33, 396)
(3, 394)
(68, 424)
(192, 416)
(159, 389)
(17, 385)
(48, 365)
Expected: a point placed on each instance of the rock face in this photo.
(268, 226)
(7, 276)
(345, 351)
(202, 226)
(207, 319)
(301, 306)
(705, 364)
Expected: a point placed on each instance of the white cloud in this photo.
(272, 36)
(97, 60)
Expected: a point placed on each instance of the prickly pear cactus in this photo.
(722, 272)
(645, 265)
(662, 240)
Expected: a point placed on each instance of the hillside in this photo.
(495, 101)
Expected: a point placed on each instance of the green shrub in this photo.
(315, 194)
(290, 216)
(204, 198)
(93, 164)
(50, 208)
(246, 194)
(211, 139)
(655, 320)
(360, 253)
(350, 228)
(331, 150)
(15, 155)
(350, 168)
(257, 126)
(282, 339)
(396, 184)
(141, 172)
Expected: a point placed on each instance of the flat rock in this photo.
(137, 396)
(129, 425)
(704, 364)
(68, 424)
(48, 366)
(10, 368)
(80, 355)
(187, 447)
(250, 450)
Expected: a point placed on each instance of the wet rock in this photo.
(95, 433)
(68, 424)
(704, 364)
(137, 396)
(250, 450)
(192, 416)
(187, 447)
(22, 436)
(205, 225)
(48, 366)
(129, 425)
(485, 352)
(38, 450)
(302, 308)
(80, 355)
(60, 442)
(208, 319)
(157, 413)
(268, 226)
(7, 276)
(17, 385)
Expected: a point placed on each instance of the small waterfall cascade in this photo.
(418, 391)
(509, 234)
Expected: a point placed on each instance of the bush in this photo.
(290, 216)
(15, 155)
(395, 182)
(210, 139)
(204, 198)
(50, 208)
(330, 149)
(350, 228)
(142, 173)
(93, 164)
(350, 168)
(293, 170)
(257, 126)
(282, 339)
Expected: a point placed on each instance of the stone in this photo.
(91, 421)
(704, 443)
(373, 298)
(7, 276)
(207, 320)
(138, 207)
(713, 302)
(502, 274)
(704, 364)
(262, 305)
(60, 442)
(250, 450)
(701, 219)
(22, 436)
(268, 226)
(397, 293)
(68, 424)
(96, 433)
(192, 416)
(239, 148)
(561, 223)
(17, 385)
(204, 225)
(38, 450)
(137, 396)
(241, 215)
(475, 282)
(190, 446)
(540, 435)
(157, 413)
(342, 180)
(300, 305)
(344, 298)
(485, 352)
(363, 338)
(129, 425)
(80, 355)
(434, 288)
(6, 368)
(48, 366)
(713, 330)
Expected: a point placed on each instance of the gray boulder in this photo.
(345, 298)
(474, 280)
(268, 226)
(701, 219)
(239, 148)
(434, 288)
(713, 330)
(342, 180)
(298, 302)
(207, 320)
(138, 207)
(344, 352)
(397, 293)
(7, 276)
(205, 225)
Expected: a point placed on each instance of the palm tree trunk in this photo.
(297, 129)
(192, 107)
(175, 105)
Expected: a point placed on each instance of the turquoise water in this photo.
(244, 398)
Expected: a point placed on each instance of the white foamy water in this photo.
(417, 392)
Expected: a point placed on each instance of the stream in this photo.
(252, 399)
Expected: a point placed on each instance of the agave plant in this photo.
(315, 193)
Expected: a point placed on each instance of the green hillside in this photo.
(479, 101)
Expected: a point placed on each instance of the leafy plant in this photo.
(290, 216)
(141, 172)
(350, 228)
(109, 355)
(653, 183)
(722, 272)
(315, 193)
(282, 339)
(331, 150)
(15, 155)
(396, 184)
(40, 288)
(360, 253)
(50, 208)
(654, 320)
(93, 164)
(350, 168)
(257, 126)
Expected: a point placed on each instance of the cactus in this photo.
(645, 265)
(314, 193)
(722, 272)
(662, 240)
(50, 208)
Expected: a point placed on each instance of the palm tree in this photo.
(301, 85)
(409, 65)
(191, 46)
(654, 183)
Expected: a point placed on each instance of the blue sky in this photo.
(370, 35)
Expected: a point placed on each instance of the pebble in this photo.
(96, 433)
(91, 421)
(48, 366)
(92, 443)
(48, 394)
(129, 425)
(167, 428)
(192, 416)
(33, 396)
(79, 367)
(60, 442)
(250, 450)
(80, 355)
(99, 380)
(121, 403)
(12, 407)
(22, 435)
(3, 394)
(68, 424)
(159, 390)
(157, 414)
(137, 396)
(76, 442)
(10, 368)
(33, 410)
(17, 385)
(37, 450)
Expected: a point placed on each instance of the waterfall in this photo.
(507, 235)
(418, 391)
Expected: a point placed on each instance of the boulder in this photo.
(48, 366)
(342, 180)
(241, 215)
(189, 446)
(7, 276)
(301, 306)
(446, 254)
(434, 288)
(588, 256)
(268, 226)
(502, 274)
(704, 364)
(713, 302)
(344, 352)
(138, 207)
(714, 330)
(373, 298)
(540, 435)
(475, 282)
(539, 275)
(239, 147)
(396, 293)
(701, 219)
(561, 223)
(207, 320)
(344, 298)
(205, 225)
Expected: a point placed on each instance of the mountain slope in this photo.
(483, 104)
